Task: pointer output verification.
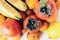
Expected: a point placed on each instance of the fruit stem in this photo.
(43, 3)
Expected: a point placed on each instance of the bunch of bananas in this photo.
(9, 11)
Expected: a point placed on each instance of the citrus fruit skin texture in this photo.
(31, 3)
(2, 19)
(58, 4)
(54, 30)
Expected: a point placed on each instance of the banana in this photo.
(8, 11)
(18, 4)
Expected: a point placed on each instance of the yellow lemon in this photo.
(54, 30)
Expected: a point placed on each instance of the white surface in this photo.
(58, 19)
(24, 37)
(44, 34)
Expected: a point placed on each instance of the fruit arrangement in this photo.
(33, 16)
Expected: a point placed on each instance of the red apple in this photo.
(10, 27)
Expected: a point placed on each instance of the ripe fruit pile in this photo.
(20, 16)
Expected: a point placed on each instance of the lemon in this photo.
(54, 30)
